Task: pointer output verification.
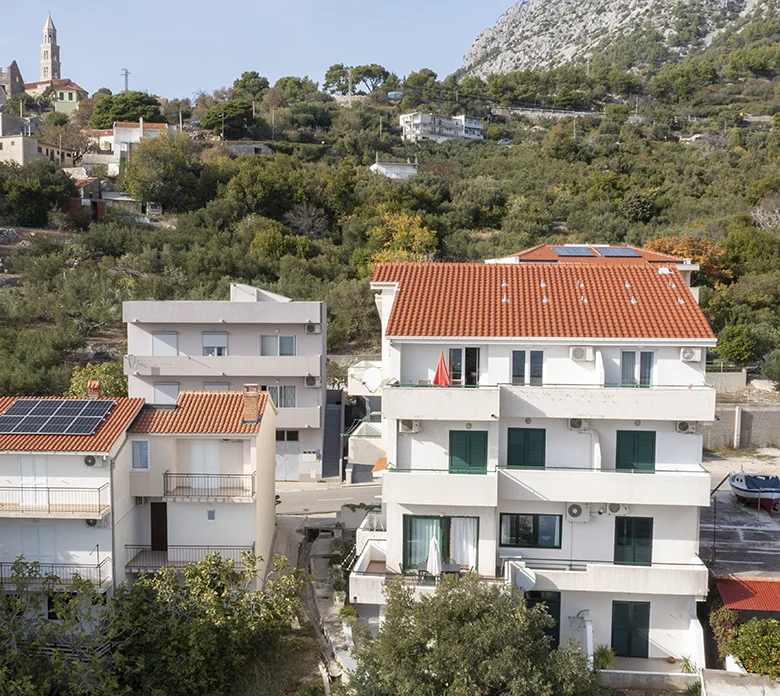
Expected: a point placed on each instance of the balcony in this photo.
(439, 487)
(142, 559)
(223, 366)
(667, 486)
(425, 402)
(684, 402)
(59, 574)
(299, 417)
(564, 575)
(71, 503)
(200, 488)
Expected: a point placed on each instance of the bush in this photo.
(757, 645)
(771, 369)
(603, 657)
(724, 623)
(738, 344)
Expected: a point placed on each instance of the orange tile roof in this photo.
(583, 301)
(129, 124)
(196, 412)
(63, 83)
(544, 252)
(100, 442)
(750, 593)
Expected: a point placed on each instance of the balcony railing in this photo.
(61, 573)
(142, 558)
(208, 485)
(426, 384)
(657, 469)
(23, 501)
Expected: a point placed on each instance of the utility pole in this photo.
(575, 127)
(273, 124)
(126, 74)
(223, 125)
(181, 123)
(380, 127)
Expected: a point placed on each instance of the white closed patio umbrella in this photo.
(433, 567)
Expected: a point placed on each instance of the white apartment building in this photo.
(418, 126)
(256, 337)
(565, 456)
(116, 144)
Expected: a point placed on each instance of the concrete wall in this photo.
(727, 381)
(759, 427)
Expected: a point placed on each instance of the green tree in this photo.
(337, 79)
(251, 85)
(295, 88)
(162, 170)
(110, 374)
(238, 121)
(469, 638)
(371, 76)
(738, 344)
(33, 191)
(100, 93)
(126, 106)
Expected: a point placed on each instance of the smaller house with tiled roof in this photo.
(115, 144)
(202, 476)
(65, 93)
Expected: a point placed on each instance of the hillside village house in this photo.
(22, 149)
(564, 457)
(256, 336)
(418, 126)
(107, 487)
(112, 145)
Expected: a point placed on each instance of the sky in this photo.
(176, 49)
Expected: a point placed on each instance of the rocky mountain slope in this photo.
(548, 33)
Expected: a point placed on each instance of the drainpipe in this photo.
(738, 427)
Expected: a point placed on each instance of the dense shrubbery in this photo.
(757, 645)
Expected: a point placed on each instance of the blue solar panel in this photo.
(618, 251)
(54, 416)
(572, 251)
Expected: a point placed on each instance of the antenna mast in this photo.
(126, 74)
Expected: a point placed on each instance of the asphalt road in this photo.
(305, 499)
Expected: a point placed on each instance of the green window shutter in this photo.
(621, 627)
(536, 444)
(624, 452)
(478, 451)
(459, 455)
(624, 547)
(643, 540)
(526, 447)
(640, 629)
(644, 450)
(515, 455)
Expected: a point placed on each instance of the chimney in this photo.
(94, 389)
(251, 399)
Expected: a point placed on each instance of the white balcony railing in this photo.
(223, 365)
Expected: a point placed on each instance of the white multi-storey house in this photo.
(255, 337)
(564, 457)
(418, 126)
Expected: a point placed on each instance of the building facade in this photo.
(256, 336)
(22, 149)
(565, 455)
(418, 126)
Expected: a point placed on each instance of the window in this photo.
(165, 343)
(70, 96)
(635, 450)
(464, 366)
(140, 455)
(527, 363)
(62, 96)
(216, 386)
(457, 536)
(552, 602)
(630, 628)
(46, 55)
(526, 447)
(456, 365)
(645, 368)
(537, 367)
(211, 515)
(530, 531)
(277, 345)
(283, 397)
(629, 376)
(166, 393)
(634, 540)
(468, 452)
(287, 436)
(215, 343)
(40, 150)
(518, 367)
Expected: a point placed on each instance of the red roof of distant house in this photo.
(129, 124)
(207, 412)
(755, 594)
(544, 252)
(84, 182)
(58, 84)
(101, 441)
(542, 300)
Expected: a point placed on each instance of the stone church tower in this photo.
(50, 53)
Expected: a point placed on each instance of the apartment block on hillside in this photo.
(256, 337)
(424, 126)
(541, 422)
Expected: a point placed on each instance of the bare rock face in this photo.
(548, 33)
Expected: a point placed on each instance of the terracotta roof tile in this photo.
(584, 301)
(100, 442)
(749, 593)
(196, 412)
(544, 252)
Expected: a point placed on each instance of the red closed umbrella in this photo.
(442, 377)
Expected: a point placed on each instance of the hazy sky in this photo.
(175, 48)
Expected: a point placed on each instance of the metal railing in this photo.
(142, 555)
(425, 384)
(662, 469)
(62, 573)
(582, 564)
(52, 500)
(209, 485)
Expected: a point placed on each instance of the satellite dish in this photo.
(525, 579)
(372, 378)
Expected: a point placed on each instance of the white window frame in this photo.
(141, 458)
(216, 341)
(277, 340)
(637, 367)
(275, 390)
(527, 366)
(211, 516)
(157, 342)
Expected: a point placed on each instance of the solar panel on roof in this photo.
(572, 251)
(618, 251)
(54, 416)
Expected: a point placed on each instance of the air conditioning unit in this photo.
(690, 354)
(618, 509)
(312, 381)
(687, 427)
(579, 424)
(91, 460)
(91, 523)
(409, 426)
(582, 353)
(313, 328)
(578, 512)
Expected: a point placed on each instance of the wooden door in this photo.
(159, 519)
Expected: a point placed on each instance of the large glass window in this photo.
(458, 538)
(627, 368)
(215, 343)
(468, 452)
(629, 376)
(140, 455)
(537, 367)
(277, 345)
(530, 531)
(456, 365)
(526, 447)
(634, 540)
(635, 450)
(645, 368)
(518, 367)
(283, 396)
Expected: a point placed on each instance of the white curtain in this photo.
(421, 529)
(463, 541)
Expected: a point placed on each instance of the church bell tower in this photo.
(50, 53)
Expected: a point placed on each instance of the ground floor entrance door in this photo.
(630, 628)
(288, 455)
(159, 523)
(552, 602)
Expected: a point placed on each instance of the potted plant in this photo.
(603, 657)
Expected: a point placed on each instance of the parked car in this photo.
(505, 141)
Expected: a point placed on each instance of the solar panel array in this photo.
(572, 251)
(618, 251)
(54, 416)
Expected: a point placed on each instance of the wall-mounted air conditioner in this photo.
(582, 353)
(578, 512)
(690, 354)
(618, 509)
(687, 427)
(409, 426)
(579, 424)
(313, 328)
